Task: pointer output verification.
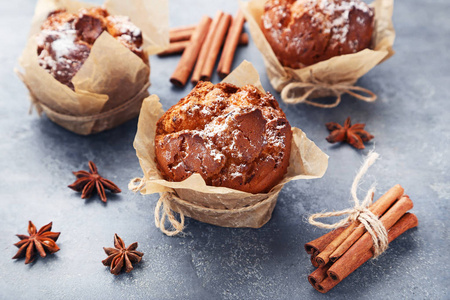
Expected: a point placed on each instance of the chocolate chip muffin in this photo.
(233, 137)
(66, 39)
(304, 32)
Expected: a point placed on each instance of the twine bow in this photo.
(137, 184)
(287, 94)
(359, 212)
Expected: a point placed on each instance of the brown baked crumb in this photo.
(233, 137)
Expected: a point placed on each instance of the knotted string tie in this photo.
(360, 212)
(288, 94)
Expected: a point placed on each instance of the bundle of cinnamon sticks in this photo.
(340, 252)
(201, 44)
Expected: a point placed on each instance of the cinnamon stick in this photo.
(243, 39)
(229, 49)
(319, 275)
(316, 246)
(406, 222)
(183, 28)
(355, 230)
(216, 44)
(324, 257)
(181, 34)
(184, 34)
(190, 54)
(320, 243)
(313, 259)
(178, 47)
(348, 262)
(174, 48)
(206, 47)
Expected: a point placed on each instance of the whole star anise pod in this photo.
(121, 257)
(355, 134)
(88, 181)
(43, 241)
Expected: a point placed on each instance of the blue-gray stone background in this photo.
(410, 122)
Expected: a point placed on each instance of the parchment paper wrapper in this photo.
(113, 81)
(218, 205)
(331, 77)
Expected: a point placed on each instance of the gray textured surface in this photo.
(410, 124)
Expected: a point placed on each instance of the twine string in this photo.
(136, 184)
(165, 216)
(288, 92)
(360, 212)
(163, 211)
(162, 208)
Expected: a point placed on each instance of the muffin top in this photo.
(65, 40)
(233, 137)
(304, 32)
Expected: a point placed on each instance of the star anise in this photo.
(43, 241)
(355, 134)
(121, 257)
(88, 181)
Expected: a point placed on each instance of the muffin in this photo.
(233, 137)
(66, 39)
(304, 32)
